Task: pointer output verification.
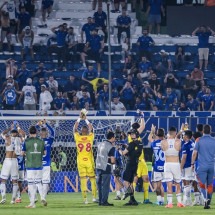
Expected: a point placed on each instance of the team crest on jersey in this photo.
(85, 159)
(84, 138)
(10, 7)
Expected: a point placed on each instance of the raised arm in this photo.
(151, 136)
(142, 123)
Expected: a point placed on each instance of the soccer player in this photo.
(159, 160)
(10, 165)
(85, 160)
(187, 171)
(172, 171)
(47, 135)
(142, 170)
(33, 149)
(205, 149)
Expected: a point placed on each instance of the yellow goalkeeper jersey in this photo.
(84, 144)
(142, 154)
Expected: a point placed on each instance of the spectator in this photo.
(89, 74)
(63, 160)
(85, 99)
(138, 104)
(123, 24)
(192, 103)
(27, 39)
(144, 67)
(93, 49)
(11, 81)
(5, 28)
(144, 42)
(11, 67)
(172, 82)
(154, 83)
(131, 79)
(130, 65)
(94, 3)
(200, 95)
(87, 28)
(71, 43)
(9, 95)
(198, 76)
(203, 34)
(22, 74)
(59, 102)
(164, 63)
(79, 93)
(40, 71)
(24, 19)
(154, 11)
(189, 86)
(170, 99)
(46, 9)
(159, 101)
(52, 45)
(30, 96)
(67, 105)
(208, 101)
(72, 86)
(98, 83)
(101, 21)
(145, 101)
(116, 5)
(45, 99)
(183, 107)
(52, 85)
(38, 86)
(75, 103)
(117, 105)
(103, 98)
(179, 57)
(61, 44)
(147, 89)
(127, 95)
(29, 6)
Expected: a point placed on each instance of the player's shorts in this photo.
(142, 169)
(154, 19)
(86, 169)
(46, 174)
(21, 175)
(188, 174)
(203, 53)
(172, 172)
(129, 173)
(34, 176)
(10, 169)
(157, 176)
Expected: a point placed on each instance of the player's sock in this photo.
(162, 199)
(3, 190)
(169, 198)
(84, 187)
(159, 198)
(185, 195)
(32, 192)
(93, 186)
(134, 186)
(197, 197)
(178, 196)
(15, 189)
(45, 190)
(146, 190)
(118, 193)
(18, 194)
(40, 189)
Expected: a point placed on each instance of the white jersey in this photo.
(29, 94)
(118, 106)
(171, 151)
(9, 148)
(27, 39)
(45, 100)
(11, 9)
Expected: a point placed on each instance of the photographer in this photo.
(105, 158)
(133, 152)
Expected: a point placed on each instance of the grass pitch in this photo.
(71, 203)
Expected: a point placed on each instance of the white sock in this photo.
(15, 189)
(178, 197)
(40, 189)
(197, 196)
(45, 190)
(84, 64)
(169, 198)
(158, 198)
(123, 191)
(18, 194)
(162, 199)
(31, 192)
(3, 190)
(118, 193)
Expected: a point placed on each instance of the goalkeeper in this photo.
(85, 160)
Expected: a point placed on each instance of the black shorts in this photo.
(6, 29)
(96, 56)
(129, 173)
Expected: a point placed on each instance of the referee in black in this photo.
(133, 152)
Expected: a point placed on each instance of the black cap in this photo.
(110, 134)
(135, 125)
(134, 131)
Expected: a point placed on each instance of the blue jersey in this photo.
(187, 149)
(48, 145)
(158, 155)
(145, 42)
(21, 163)
(10, 96)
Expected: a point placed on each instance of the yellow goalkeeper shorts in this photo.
(142, 169)
(86, 169)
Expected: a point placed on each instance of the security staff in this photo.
(123, 24)
(133, 152)
(105, 159)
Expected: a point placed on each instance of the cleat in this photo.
(95, 200)
(195, 203)
(44, 202)
(207, 204)
(86, 202)
(12, 202)
(117, 198)
(146, 201)
(169, 206)
(3, 201)
(30, 206)
(159, 203)
(36, 200)
(18, 200)
(126, 195)
(131, 203)
(180, 205)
